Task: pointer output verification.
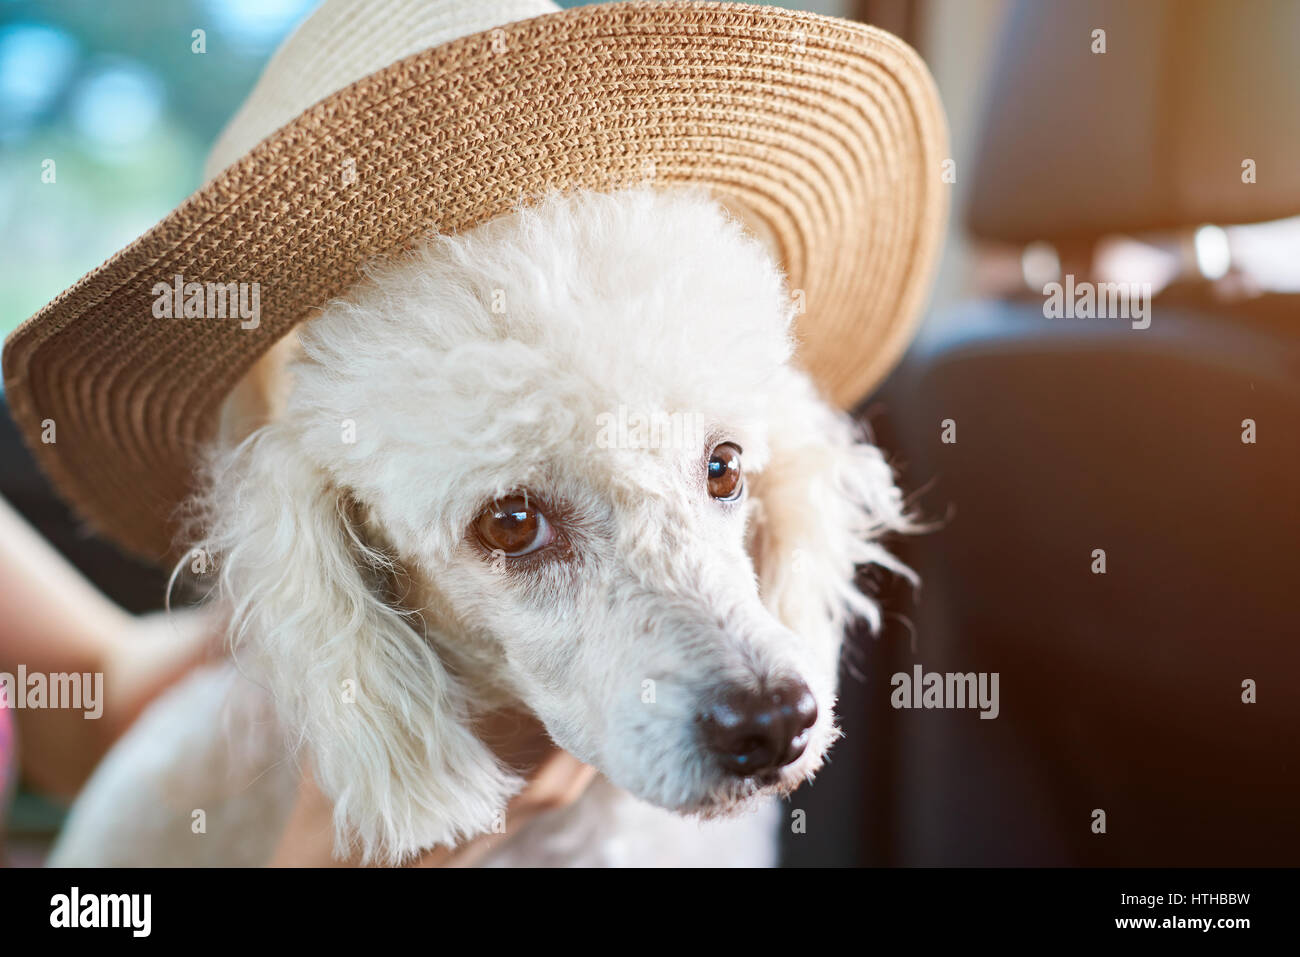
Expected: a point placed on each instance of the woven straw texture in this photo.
(345, 40)
(830, 131)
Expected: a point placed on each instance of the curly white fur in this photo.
(480, 364)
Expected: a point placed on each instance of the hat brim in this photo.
(830, 131)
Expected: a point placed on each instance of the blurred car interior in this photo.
(1120, 691)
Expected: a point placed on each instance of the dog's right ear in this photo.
(822, 503)
(385, 725)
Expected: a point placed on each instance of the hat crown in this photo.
(343, 41)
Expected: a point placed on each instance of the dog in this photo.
(439, 522)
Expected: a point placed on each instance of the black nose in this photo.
(752, 731)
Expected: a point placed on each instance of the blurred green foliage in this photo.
(114, 93)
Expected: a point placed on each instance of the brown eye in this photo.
(513, 527)
(725, 481)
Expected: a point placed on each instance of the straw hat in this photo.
(380, 121)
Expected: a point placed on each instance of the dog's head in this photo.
(560, 462)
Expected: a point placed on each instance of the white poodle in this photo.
(561, 463)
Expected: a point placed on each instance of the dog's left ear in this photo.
(823, 500)
(386, 725)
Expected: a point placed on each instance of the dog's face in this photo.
(572, 446)
(610, 591)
